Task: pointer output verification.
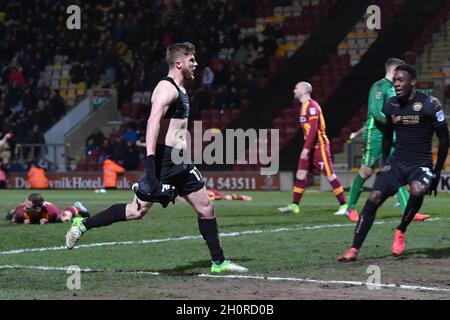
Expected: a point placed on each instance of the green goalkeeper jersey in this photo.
(379, 93)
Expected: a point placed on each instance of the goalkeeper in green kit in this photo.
(372, 139)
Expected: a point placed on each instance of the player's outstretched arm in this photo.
(356, 134)
(5, 138)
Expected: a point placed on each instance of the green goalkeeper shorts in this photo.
(372, 152)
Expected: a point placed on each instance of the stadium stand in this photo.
(249, 46)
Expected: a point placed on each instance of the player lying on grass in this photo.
(35, 210)
(214, 194)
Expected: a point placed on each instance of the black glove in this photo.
(150, 173)
(150, 189)
(434, 184)
(165, 194)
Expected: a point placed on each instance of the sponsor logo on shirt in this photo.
(417, 106)
(312, 111)
(396, 119)
(378, 95)
(440, 116)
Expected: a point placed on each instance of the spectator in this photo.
(37, 178)
(97, 137)
(5, 153)
(2, 175)
(76, 72)
(4, 139)
(130, 134)
(208, 78)
(131, 156)
(16, 76)
(241, 55)
(35, 137)
(110, 172)
(221, 98)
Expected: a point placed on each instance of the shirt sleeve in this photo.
(18, 215)
(313, 121)
(118, 169)
(377, 97)
(52, 212)
(434, 110)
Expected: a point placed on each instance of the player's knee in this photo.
(134, 214)
(418, 189)
(136, 211)
(365, 172)
(376, 197)
(331, 177)
(206, 210)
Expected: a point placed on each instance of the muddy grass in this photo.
(417, 271)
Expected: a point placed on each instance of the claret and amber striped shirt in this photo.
(313, 125)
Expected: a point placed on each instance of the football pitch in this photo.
(163, 255)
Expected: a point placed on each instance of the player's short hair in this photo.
(408, 68)
(177, 50)
(36, 199)
(307, 85)
(393, 63)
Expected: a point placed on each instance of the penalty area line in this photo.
(242, 277)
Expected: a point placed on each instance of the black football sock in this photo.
(115, 213)
(412, 207)
(365, 222)
(209, 231)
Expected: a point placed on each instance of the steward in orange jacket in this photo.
(110, 172)
(37, 178)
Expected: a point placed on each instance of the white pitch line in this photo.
(43, 268)
(354, 283)
(230, 234)
(264, 278)
(87, 270)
